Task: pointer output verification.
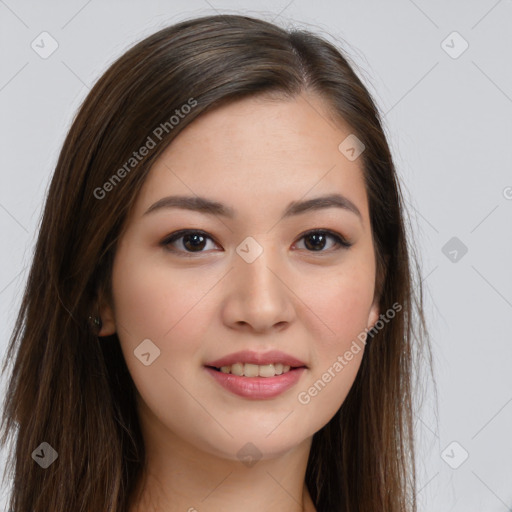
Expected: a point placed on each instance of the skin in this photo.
(255, 155)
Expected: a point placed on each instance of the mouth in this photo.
(256, 375)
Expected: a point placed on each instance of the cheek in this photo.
(339, 308)
(169, 308)
(340, 302)
(151, 301)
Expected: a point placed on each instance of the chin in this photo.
(255, 444)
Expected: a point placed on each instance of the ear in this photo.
(106, 312)
(373, 316)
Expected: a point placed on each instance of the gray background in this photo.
(448, 116)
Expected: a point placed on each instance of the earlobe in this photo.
(374, 314)
(108, 323)
(106, 314)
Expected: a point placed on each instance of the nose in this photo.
(258, 297)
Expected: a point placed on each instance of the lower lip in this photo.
(257, 388)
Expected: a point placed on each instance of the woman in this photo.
(220, 312)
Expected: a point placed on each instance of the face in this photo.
(256, 280)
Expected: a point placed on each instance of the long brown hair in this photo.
(73, 391)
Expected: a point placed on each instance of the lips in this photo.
(258, 358)
(256, 388)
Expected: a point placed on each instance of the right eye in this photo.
(193, 241)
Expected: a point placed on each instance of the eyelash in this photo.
(340, 240)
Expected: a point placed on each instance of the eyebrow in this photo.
(210, 207)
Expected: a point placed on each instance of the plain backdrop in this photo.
(441, 74)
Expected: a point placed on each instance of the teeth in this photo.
(237, 369)
(251, 370)
(267, 370)
(254, 370)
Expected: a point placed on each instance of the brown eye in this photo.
(192, 241)
(315, 241)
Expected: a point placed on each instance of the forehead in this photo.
(258, 154)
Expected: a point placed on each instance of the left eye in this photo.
(194, 241)
(319, 237)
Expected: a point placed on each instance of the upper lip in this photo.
(259, 358)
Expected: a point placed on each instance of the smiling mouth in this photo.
(255, 370)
